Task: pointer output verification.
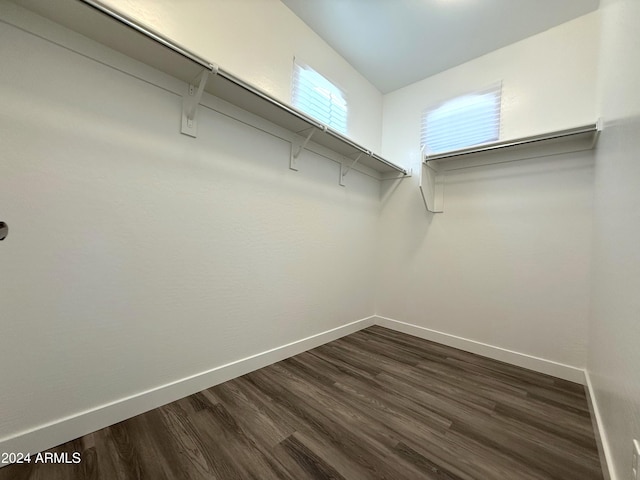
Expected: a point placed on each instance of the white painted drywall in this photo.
(507, 263)
(138, 256)
(614, 338)
(257, 40)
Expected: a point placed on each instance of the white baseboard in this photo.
(66, 429)
(604, 451)
(549, 367)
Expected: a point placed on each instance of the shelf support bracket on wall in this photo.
(190, 104)
(431, 187)
(297, 148)
(344, 169)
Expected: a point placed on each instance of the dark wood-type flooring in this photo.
(374, 404)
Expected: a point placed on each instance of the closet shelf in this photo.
(114, 30)
(553, 143)
(431, 177)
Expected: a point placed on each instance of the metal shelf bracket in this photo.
(191, 101)
(297, 147)
(433, 192)
(344, 169)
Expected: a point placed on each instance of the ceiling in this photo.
(393, 43)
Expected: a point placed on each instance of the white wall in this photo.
(137, 256)
(507, 263)
(257, 40)
(614, 343)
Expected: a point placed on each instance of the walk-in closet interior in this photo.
(289, 239)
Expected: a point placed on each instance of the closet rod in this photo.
(157, 37)
(591, 128)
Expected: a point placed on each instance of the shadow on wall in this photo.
(528, 168)
(402, 202)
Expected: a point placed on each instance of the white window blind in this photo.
(463, 121)
(318, 97)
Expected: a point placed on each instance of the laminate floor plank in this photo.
(435, 470)
(377, 404)
(576, 439)
(512, 373)
(256, 423)
(526, 447)
(515, 404)
(468, 459)
(381, 349)
(340, 428)
(332, 455)
(310, 462)
(225, 434)
(179, 443)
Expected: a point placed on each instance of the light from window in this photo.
(318, 97)
(463, 121)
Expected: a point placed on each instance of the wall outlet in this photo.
(636, 460)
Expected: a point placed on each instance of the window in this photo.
(318, 97)
(463, 121)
